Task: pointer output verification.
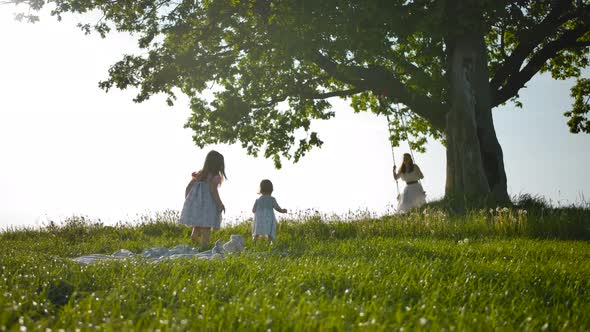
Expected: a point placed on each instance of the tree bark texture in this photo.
(466, 177)
(491, 151)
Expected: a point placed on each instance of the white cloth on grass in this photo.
(234, 245)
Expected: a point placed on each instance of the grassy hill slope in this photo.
(500, 269)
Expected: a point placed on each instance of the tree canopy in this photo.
(277, 63)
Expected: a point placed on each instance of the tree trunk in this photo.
(475, 165)
(491, 151)
(466, 177)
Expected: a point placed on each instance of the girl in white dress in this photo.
(265, 222)
(413, 195)
(202, 205)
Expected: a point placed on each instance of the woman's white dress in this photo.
(413, 195)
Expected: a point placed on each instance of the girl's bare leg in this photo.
(196, 233)
(205, 234)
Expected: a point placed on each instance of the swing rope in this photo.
(400, 115)
(384, 107)
(392, 153)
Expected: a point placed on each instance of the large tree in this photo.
(277, 63)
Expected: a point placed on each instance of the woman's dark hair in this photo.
(411, 168)
(214, 165)
(266, 187)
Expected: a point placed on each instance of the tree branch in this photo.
(347, 74)
(410, 68)
(528, 43)
(271, 102)
(343, 93)
(380, 79)
(502, 42)
(325, 95)
(537, 61)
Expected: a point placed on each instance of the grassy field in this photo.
(489, 270)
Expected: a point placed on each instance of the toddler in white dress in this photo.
(265, 221)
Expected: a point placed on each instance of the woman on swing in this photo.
(413, 195)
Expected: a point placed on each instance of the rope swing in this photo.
(387, 109)
(393, 154)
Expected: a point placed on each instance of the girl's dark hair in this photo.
(411, 168)
(214, 165)
(266, 187)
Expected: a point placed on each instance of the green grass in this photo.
(506, 270)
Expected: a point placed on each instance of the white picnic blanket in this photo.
(234, 245)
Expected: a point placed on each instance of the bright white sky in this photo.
(68, 147)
